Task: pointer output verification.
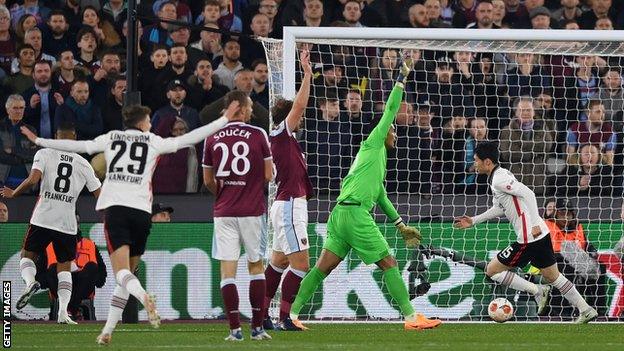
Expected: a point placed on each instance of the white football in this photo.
(500, 310)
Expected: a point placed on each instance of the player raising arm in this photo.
(351, 226)
(289, 212)
(517, 202)
(237, 166)
(63, 175)
(126, 197)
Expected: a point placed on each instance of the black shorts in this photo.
(38, 238)
(539, 253)
(126, 226)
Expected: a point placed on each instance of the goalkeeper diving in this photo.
(351, 225)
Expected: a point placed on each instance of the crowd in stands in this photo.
(558, 118)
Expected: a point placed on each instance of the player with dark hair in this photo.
(351, 225)
(63, 175)
(517, 202)
(126, 197)
(289, 212)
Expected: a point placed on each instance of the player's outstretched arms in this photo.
(301, 100)
(199, 134)
(28, 183)
(411, 235)
(463, 222)
(79, 146)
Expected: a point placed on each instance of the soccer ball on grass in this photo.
(500, 310)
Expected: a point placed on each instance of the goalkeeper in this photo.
(351, 225)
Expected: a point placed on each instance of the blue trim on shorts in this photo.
(289, 225)
(264, 236)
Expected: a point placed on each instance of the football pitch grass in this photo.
(338, 336)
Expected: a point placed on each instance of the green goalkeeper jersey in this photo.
(365, 181)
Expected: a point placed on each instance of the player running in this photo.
(237, 165)
(351, 226)
(289, 212)
(126, 198)
(517, 202)
(63, 175)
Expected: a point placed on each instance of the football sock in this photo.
(257, 290)
(115, 311)
(309, 284)
(229, 293)
(398, 291)
(131, 283)
(515, 282)
(28, 270)
(289, 291)
(568, 290)
(64, 290)
(273, 276)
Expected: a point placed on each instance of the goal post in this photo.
(534, 92)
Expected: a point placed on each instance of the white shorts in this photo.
(290, 225)
(232, 232)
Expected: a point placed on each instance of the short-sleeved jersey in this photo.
(64, 175)
(292, 172)
(131, 157)
(237, 154)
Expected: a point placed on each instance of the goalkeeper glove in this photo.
(411, 235)
(405, 70)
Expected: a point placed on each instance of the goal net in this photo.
(554, 102)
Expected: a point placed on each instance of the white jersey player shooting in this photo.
(63, 175)
(126, 198)
(517, 203)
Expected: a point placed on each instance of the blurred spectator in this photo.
(581, 86)
(252, 49)
(99, 85)
(571, 25)
(418, 16)
(87, 47)
(81, 111)
(550, 208)
(543, 105)
(66, 72)
(19, 82)
(159, 58)
(449, 91)
(604, 23)
(451, 152)
(203, 89)
(489, 99)
(590, 177)
(182, 35)
(540, 18)
(106, 34)
(33, 38)
(4, 212)
(111, 114)
(56, 36)
(517, 14)
(243, 82)
(178, 69)
(228, 20)
(464, 13)
(230, 65)
(434, 14)
(528, 77)
(8, 41)
(142, 49)
(161, 213)
(159, 33)
(210, 44)
(353, 126)
(525, 145)
(332, 82)
(569, 10)
(592, 131)
(312, 14)
(161, 119)
(16, 151)
(498, 13)
(182, 10)
(599, 9)
(29, 7)
(176, 172)
(71, 8)
(612, 96)
(25, 23)
(211, 13)
(385, 69)
(477, 132)
(116, 11)
(260, 92)
(395, 13)
(484, 15)
(43, 101)
(270, 8)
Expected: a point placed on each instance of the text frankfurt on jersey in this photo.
(142, 138)
(58, 197)
(232, 132)
(126, 178)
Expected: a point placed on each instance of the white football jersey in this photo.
(518, 203)
(131, 157)
(64, 175)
